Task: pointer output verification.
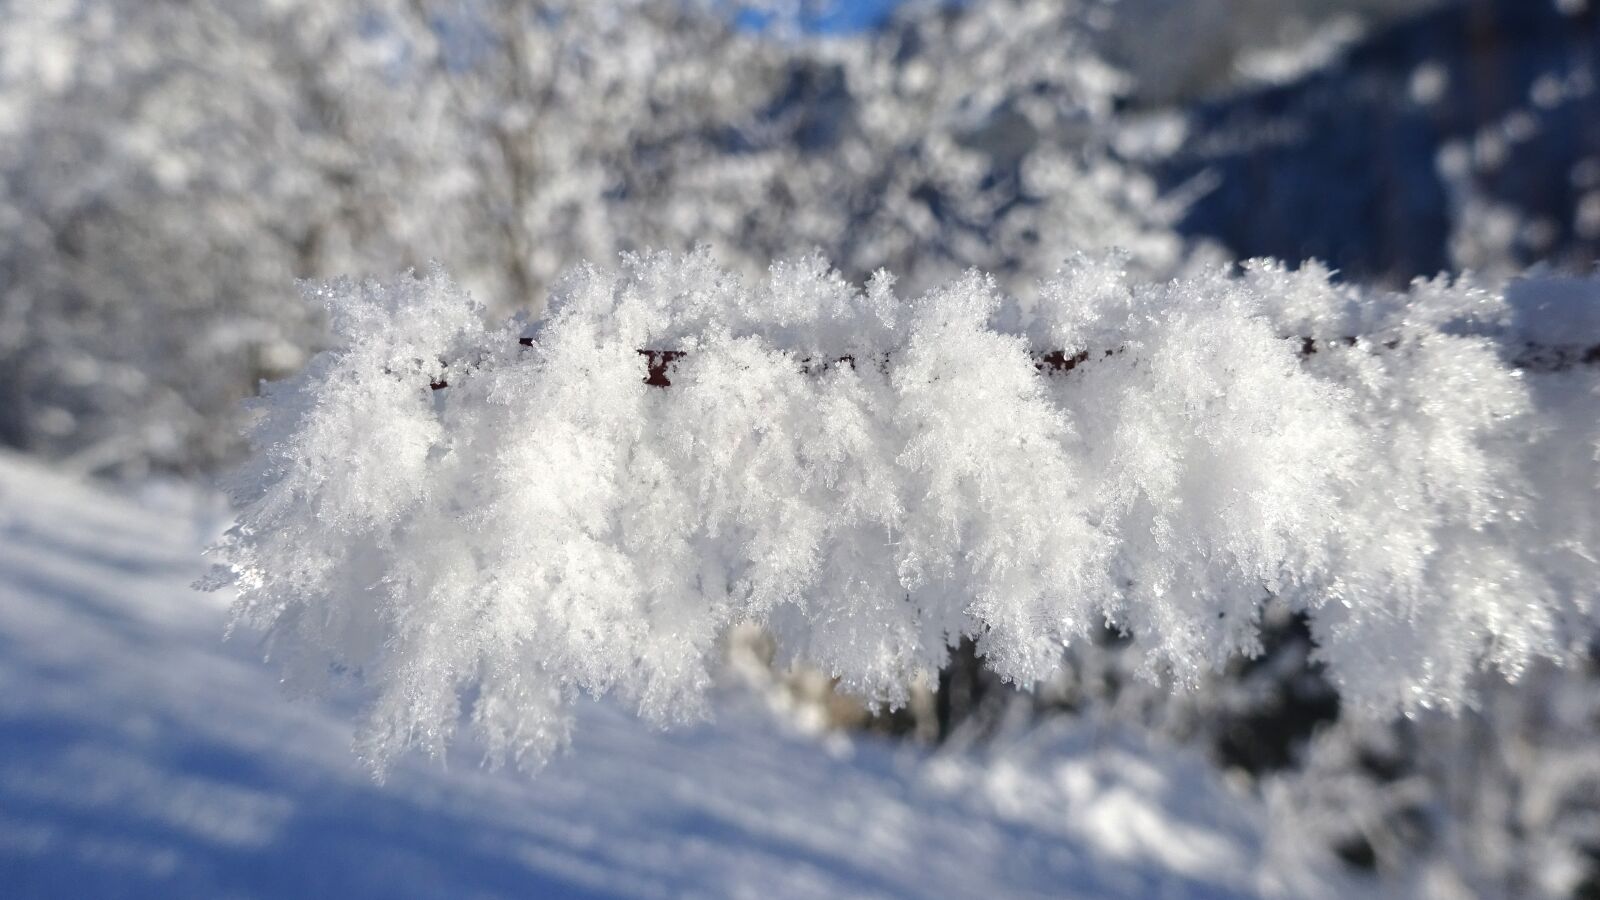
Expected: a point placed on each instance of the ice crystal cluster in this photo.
(481, 528)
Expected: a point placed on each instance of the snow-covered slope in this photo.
(142, 756)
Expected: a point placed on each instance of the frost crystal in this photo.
(872, 480)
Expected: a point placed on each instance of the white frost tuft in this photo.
(872, 480)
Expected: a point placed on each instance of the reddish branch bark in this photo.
(1532, 357)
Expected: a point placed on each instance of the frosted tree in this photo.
(585, 124)
(169, 169)
(965, 135)
(677, 129)
(588, 503)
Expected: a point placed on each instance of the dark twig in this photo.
(1532, 357)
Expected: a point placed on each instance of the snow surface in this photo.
(140, 755)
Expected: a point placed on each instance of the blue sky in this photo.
(835, 16)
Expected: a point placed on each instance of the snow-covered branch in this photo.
(658, 364)
(553, 524)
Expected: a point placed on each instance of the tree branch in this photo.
(1532, 357)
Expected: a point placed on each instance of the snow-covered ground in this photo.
(140, 755)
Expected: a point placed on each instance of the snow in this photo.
(141, 755)
(870, 480)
